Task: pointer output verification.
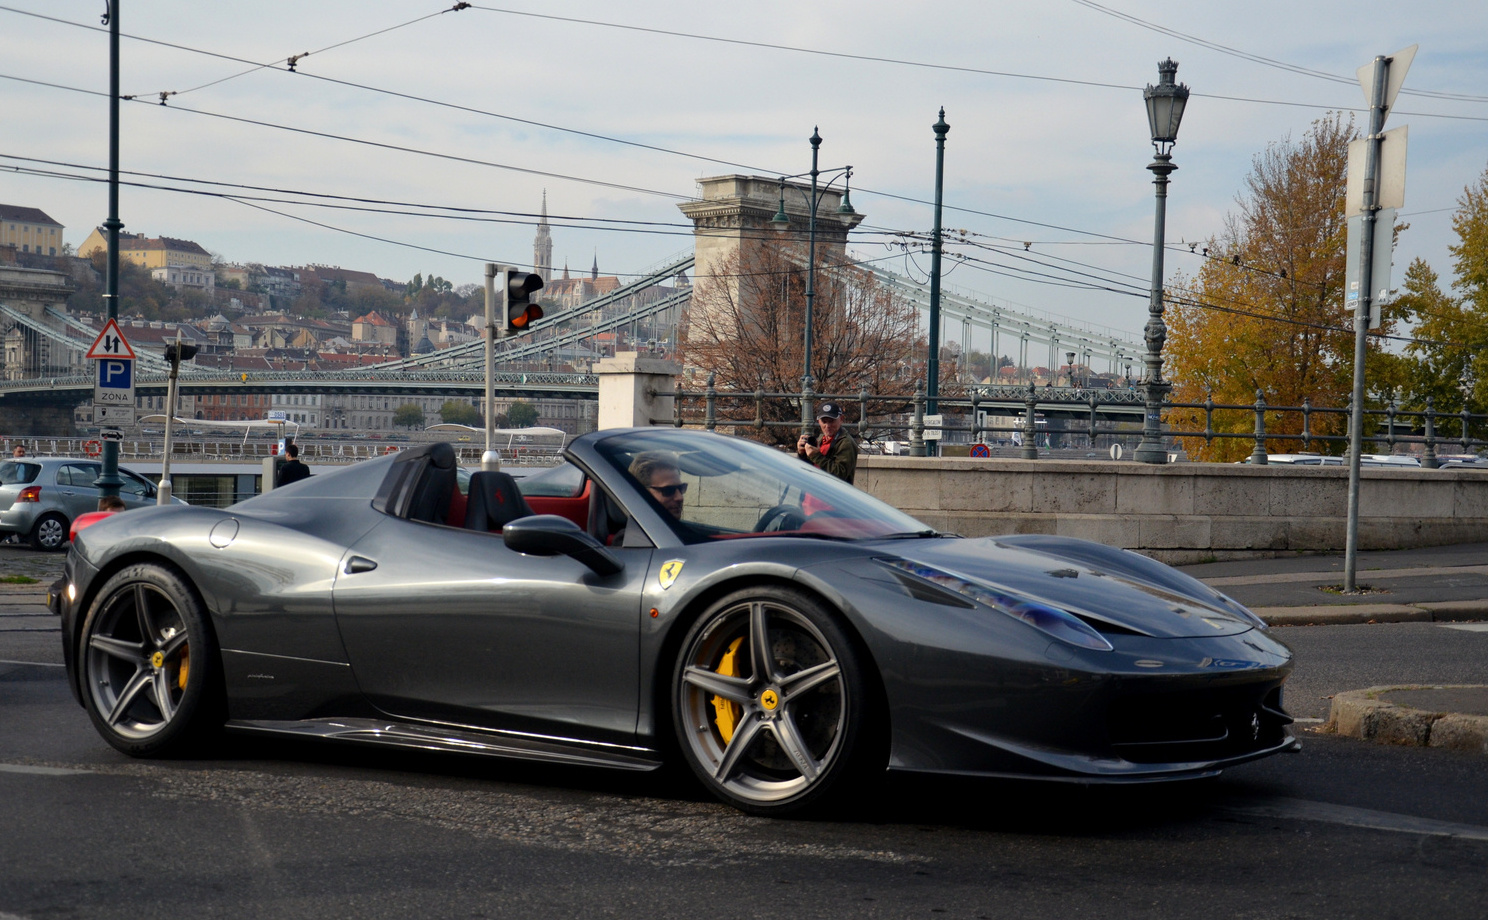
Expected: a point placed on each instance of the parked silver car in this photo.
(40, 496)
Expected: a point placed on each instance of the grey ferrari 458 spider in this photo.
(662, 596)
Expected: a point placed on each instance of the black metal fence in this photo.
(1113, 415)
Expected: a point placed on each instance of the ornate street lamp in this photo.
(1165, 103)
(781, 222)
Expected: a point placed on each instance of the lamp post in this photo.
(1165, 103)
(781, 222)
(932, 363)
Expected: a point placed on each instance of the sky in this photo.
(616, 108)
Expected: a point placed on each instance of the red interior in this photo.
(576, 509)
(455, 517)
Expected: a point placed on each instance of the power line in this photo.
(877, 59)
(293, 60)
(592, 135)
(1269, 62)
(368, 143)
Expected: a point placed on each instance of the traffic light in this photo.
(175, 354)
(517, 307)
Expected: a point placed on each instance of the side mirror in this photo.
(554, 535)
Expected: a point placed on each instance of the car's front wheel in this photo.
(50, 533)
(150, 664)
(773, 709)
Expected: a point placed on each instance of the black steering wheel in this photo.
(781, 517)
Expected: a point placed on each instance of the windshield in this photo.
(715, 487)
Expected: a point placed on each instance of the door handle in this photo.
(358, 564)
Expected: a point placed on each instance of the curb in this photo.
(1330, 614)
(1362, 714)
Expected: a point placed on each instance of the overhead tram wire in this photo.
(1269, 62)
(1014, 272)
(756, 44)
(656, 228)
(622, 141)
(298, 57)
(928, 65)
(1114, 240)
(394, 93)
(1175, 300)
(679, 229)
(367, 143)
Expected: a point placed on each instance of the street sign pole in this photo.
(1382, 90)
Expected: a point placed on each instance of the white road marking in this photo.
(1467, 627)
(1304, 810)
(1300, 719)
(38, 771)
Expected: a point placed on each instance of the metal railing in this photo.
(1112, 415)
(316, 452)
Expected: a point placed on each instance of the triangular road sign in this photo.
(110, 344)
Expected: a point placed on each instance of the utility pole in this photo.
(108, 481)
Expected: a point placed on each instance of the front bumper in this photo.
(1158, 709)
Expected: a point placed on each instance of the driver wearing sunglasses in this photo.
(659, 474)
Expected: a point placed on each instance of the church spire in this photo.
(542, 244)
(594, 272)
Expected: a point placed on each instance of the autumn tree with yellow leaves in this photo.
(1448, 359)
(1266, 310)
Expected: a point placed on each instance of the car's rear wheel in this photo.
(772, 705)
(50, 533)
(149, 663)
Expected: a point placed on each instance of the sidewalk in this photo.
(1440, 584)
(1444, 584)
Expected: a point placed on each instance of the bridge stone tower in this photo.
(34, 297)
(732, 214)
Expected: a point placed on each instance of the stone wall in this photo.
(1185, 512)
(37, 421)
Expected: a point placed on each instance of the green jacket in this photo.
(841, 459)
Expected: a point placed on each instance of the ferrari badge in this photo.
(669, 572)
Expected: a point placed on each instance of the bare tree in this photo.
(746, 325)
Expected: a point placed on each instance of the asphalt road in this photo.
(1343, 829)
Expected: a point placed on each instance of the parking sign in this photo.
(113, 388)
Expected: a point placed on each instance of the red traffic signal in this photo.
(519, 309)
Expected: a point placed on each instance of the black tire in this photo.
(151, 673)
(50, 533)
(779, 733)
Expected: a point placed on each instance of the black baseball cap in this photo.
(829, 410)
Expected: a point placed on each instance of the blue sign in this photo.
(116, 374)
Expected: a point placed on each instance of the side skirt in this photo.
(450, 739)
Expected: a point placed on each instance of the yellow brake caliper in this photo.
(727, 713)
(185, 668)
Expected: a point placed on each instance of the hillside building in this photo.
(30, 230)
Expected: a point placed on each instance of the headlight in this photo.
(1061, 624)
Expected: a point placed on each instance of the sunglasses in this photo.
(668, 491)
